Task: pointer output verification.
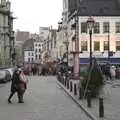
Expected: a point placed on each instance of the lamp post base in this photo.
(76, 66)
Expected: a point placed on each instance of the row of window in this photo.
(96, 29)
(32, 54)
(84, 46)
(38, 50)
(36, 57)
(30, 60)
(38, 45)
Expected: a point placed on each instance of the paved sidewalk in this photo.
(111, 97)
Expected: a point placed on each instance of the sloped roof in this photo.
(96, 7)
(29, 45)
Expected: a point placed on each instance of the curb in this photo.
(77, 102)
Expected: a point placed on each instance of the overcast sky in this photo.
(34, 13)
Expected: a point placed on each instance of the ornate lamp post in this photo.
(66, 42)
(67, 45)
(90, 24)
(108, 46)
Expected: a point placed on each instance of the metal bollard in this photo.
(75, 89)
(71, 86)
(89, 99)
(63, 81)
(101, 108)
(80, 93)
(67, 84)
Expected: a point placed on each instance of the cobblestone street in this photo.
(44, 100)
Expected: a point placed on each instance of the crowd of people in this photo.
(110, 71)
(41, 69)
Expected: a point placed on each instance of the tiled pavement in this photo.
(44, 100)
(111, 97)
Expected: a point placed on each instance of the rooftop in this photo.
(95, 7)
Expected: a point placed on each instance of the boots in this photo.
(20, 97)
(11, 95)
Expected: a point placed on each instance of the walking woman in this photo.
(18, 86)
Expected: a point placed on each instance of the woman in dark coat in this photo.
(15, 86)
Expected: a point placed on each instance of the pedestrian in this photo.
(17, 86)
(23, 86)
(112, 71)
(107, 72)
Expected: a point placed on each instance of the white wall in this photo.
(38, 45)
(101, 37)
(28, 55)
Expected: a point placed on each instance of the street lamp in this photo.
(67, 45)
(108, 46)
(90, 24)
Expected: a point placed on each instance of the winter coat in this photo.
(15, 82)
(23, 81)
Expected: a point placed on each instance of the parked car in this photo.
(4, 76)
(10, 70)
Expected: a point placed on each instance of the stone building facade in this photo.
(7, 43)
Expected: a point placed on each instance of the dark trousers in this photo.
(20, 94)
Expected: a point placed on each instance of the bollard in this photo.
(75, 89)
(101, 108)
(67, 84)
(63, 81)
(80, 93)
(70, 86)
(89, 99)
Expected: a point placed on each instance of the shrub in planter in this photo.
(94, 80)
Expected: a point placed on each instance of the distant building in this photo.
(32, 51)
(22, 36)
(29, 54)
(52, 44)
(38, 50)
(43, 33)
(35, 36)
